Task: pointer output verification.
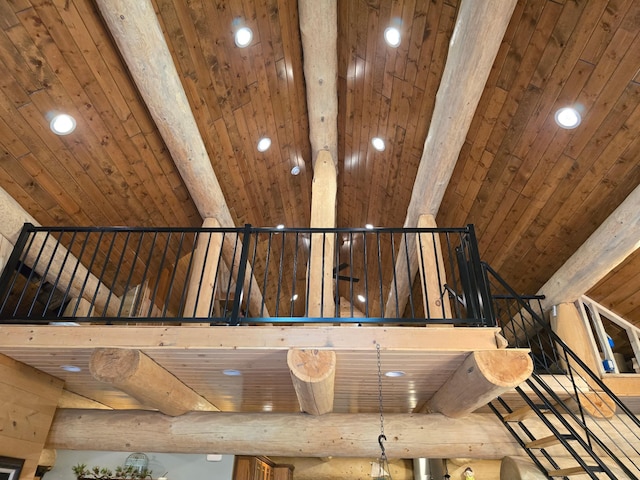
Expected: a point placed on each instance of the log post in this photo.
(137, 375)
(204, 267)
(518, 468)
(432, 273)
(313, 374)
(482, 377)
(323, 215)
(569, 325)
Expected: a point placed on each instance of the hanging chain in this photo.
(380, 391)
(383, 464)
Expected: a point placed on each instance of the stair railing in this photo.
(564, 410)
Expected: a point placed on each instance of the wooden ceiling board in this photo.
(265, 381)
(534, 191)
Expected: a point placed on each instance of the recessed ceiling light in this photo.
(243, 37)
(568, 117)
(71, 368)
(263, 144)
(378, 144)
(368, 226)
(295, 170)
(280, 226)
(392, 36)
(230, 372)
(62, 124)
(361, 298)
(395, 373)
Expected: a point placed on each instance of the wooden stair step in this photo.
(521, 414)
(544, 442)
(567, 472)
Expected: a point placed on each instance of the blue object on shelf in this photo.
(608, 366)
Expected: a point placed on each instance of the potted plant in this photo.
(120, 473)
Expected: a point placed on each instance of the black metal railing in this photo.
(563, 399)
(245, 275)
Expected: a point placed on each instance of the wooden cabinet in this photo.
(283, 472)
(253, 468)
(260, 468)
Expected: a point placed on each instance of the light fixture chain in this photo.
(380, 390)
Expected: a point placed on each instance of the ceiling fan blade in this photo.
(340, 267)
(348, 279)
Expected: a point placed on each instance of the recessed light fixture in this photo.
(280, 226)
(263, 144)
(361, 298)
(368, 226)
(295, 170)
(392, 36)
(230, 372)
(243, 37)
(62, 124)
(395, 373)
(378, 144)
(568, 117)
(71, 368)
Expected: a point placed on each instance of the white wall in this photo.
(178, 466)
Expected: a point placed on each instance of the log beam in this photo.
(278, 434)
(136, 31)
(137, 375)
(482, 377)
(323, 215)
(55, 262)
(474, 44)
(612, 242)
(313, 373)
(319, 33)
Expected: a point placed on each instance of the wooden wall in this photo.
(28, 400)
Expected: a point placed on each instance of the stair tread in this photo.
(522, 413)
(567, 472)
(543, 442)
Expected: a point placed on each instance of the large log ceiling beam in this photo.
(313, 374)
(295, 435)
(481, 378)
(612, 242)
(474, 44)
(137, 375)
(64, 270)
(135, 28)
(319, 32)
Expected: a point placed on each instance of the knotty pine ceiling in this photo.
(534, 191)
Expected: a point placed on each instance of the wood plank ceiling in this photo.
(534, 191)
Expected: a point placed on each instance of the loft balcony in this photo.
(224, 276)
(135, 294)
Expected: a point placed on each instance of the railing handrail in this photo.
(121, 248)
(560, 343)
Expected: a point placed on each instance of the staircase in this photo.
(564, 417)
